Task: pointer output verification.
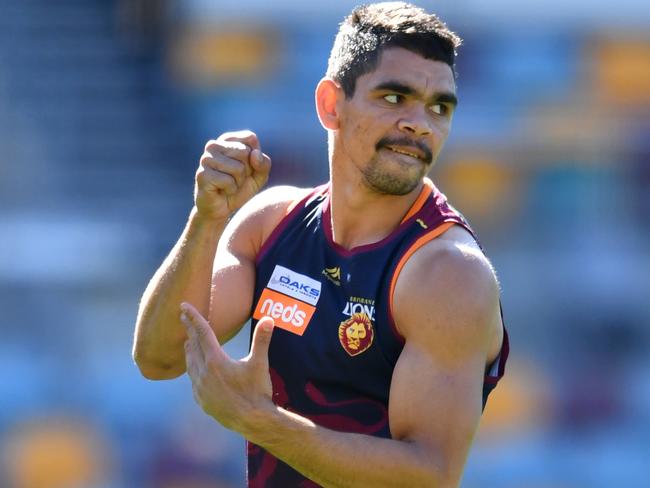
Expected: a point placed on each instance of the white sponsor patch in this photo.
(295, 285)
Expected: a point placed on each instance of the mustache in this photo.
(405, 142)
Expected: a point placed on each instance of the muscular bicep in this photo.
(436, 405)
(446, 305)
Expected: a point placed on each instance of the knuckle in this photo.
(228, 182)
(201, 177)
(215, 148)
(244, 134)
(227, 136)
(239, 135)
(211, 145)
(203, 331)
(237, 151)
(206, 158)
(239, 171)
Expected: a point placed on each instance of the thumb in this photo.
(261, 340)
(261, 165)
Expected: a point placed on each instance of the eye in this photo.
(440, 109)
(393, 98)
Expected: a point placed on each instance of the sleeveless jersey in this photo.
(335, 344)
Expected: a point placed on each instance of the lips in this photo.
(413, 148)
(411, 151)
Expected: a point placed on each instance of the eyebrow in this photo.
(403, 89)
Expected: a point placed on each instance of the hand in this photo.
(232, 170)
(226, 389)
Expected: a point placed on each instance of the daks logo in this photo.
(295, 285)
(360, 305)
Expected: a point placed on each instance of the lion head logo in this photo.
(356, 334)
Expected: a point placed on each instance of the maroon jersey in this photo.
(335, 345)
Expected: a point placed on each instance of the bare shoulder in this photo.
(254, 222)
(448, 293)
(446, 305)
(233, 273)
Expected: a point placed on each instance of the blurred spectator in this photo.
(525, 403)
(56, 452)
(185, 457)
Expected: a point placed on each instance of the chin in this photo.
(389, 185)
(391, 177)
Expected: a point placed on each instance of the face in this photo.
(394, 126)
(355, 333)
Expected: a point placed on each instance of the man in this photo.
(377, 331)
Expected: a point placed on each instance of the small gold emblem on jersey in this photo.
(356, 334)
(421, 222)
(333, 274)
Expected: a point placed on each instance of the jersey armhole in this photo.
(498, 367)
(429, 236)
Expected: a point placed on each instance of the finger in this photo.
(204, 334)
(261, 339)
(192, 342)
(246, 136)
(210, 179)
(232, 149)
(222, 164)
(192, 371)
(193, 345)
(261, 165)
(191, 360)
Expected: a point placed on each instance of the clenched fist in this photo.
(232, 170)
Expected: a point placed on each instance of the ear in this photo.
(327, 94)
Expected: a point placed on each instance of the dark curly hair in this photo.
(370, 29)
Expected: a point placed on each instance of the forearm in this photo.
(338, 459)
(185, 275)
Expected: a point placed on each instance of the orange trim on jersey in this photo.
(292, 205)
(429, 236)
(427, 189)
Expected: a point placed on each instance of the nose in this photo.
(415, 123)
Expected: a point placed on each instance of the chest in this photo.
(331, 313)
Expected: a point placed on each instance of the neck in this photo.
(361, 216)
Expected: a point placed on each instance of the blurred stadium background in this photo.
(104, 109)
